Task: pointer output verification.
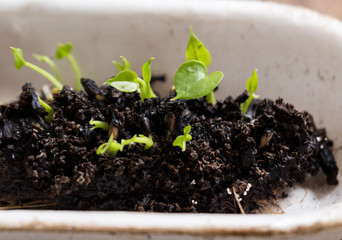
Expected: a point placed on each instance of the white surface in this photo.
(298, 54)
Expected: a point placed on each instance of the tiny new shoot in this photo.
(113, 147)
(191, 79)
(50, 62)
(48, 109)
(121, 67)
(64, 51)
(128, 81)
(19, 62)
(251, 87)
(181, 140)
(99, 124)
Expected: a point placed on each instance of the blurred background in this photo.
(328, 7)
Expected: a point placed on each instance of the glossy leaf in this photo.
(197, 51)
(192, 81)
(125, 86)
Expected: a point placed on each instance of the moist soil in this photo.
(233, 163)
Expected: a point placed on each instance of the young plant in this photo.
(19, 62)
(113, 147)
(64, 51)
(99, 124)
(128, 81)
(48, 109)
(121, 67)
(181, 140)
(191, 79)
(251, 86)
(50, 62)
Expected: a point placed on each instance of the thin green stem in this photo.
(51, 78)
(77, 71)
(54, 67)
(211, 98)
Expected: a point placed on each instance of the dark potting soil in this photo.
(230, 160)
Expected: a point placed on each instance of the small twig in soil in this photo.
(238, 200)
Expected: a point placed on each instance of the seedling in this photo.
(99, 124)
(128, 81)
(113, 147)
(51, 63)
(48, 109)
(191, 79)
(64, 51)
(19, 62)
(251, 87)
(181, 140)
(121, 67)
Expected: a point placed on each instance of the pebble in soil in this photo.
(257, 156)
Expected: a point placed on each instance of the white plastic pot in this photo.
(299, 57)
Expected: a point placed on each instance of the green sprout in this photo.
(251, 86)
(191, 80)
(181, 140)
(148, 141)
(64, 51)
(48, 109)
(50, 62)
(113, 147)
(128, 81)
(197, 51)
(99, 124)
(19, 62)
(121, 67)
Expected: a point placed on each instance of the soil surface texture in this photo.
(233, 163)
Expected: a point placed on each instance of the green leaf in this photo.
(181, 140)
(146, 71)
(124, 76)
(192, 81)
(252, 83)
(63, 50)
(48, 109)
(18, 57)
(125, 81)
(125, 86)
(251, 86)
(196, 50)
(138, 139)
(99, 124)
(121, 67)
(118, 65)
